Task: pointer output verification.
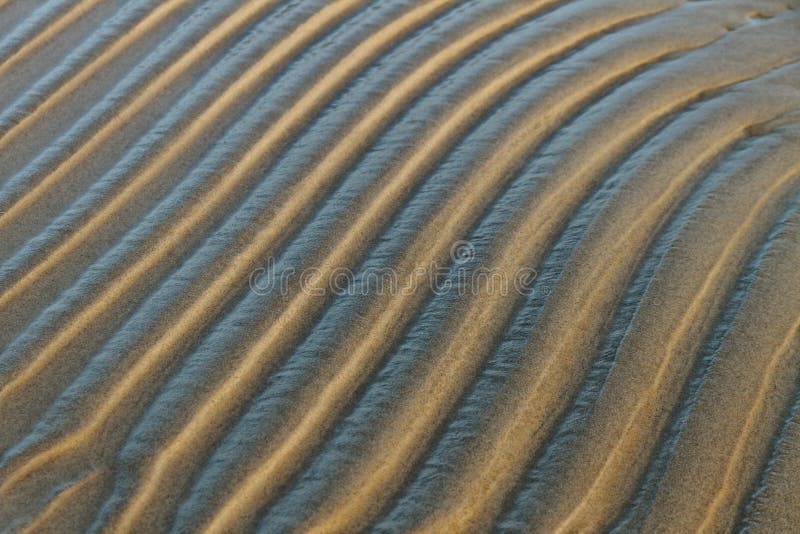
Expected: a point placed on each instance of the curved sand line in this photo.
(58, 25)
(741, 402)
(257, 74)
(125, 41)
(589, 291)
(658, 138)
(776, 507)
(289, 123)
(34, 276)
(309, 190)
(17, 202)
(455, 368)
(67, 511)
(268, 64)
(23, 91)
(640, 428)
(299, 113)
(261, 358)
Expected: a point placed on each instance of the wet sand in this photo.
(406, 266)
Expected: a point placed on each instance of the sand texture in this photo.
(441, 266)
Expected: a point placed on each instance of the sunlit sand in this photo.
(435, 266)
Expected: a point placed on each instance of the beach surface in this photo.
(443, 266)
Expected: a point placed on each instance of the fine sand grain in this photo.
(406, 266)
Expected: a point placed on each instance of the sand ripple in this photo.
(440, 266)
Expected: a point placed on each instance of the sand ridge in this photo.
(415, 136)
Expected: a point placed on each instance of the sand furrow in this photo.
(289, 123)
(307, 192)
(115, 49)
(18, 197)
(776, 507)
(583, 220)
(358, 235)
(748, 388)
(20, 389)
(724, 506)
(65, 512)
(256, 76)
(92, 230)
(53, 28)
(13, 13)
(631, 449)
(590, 289)
(457, 361)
